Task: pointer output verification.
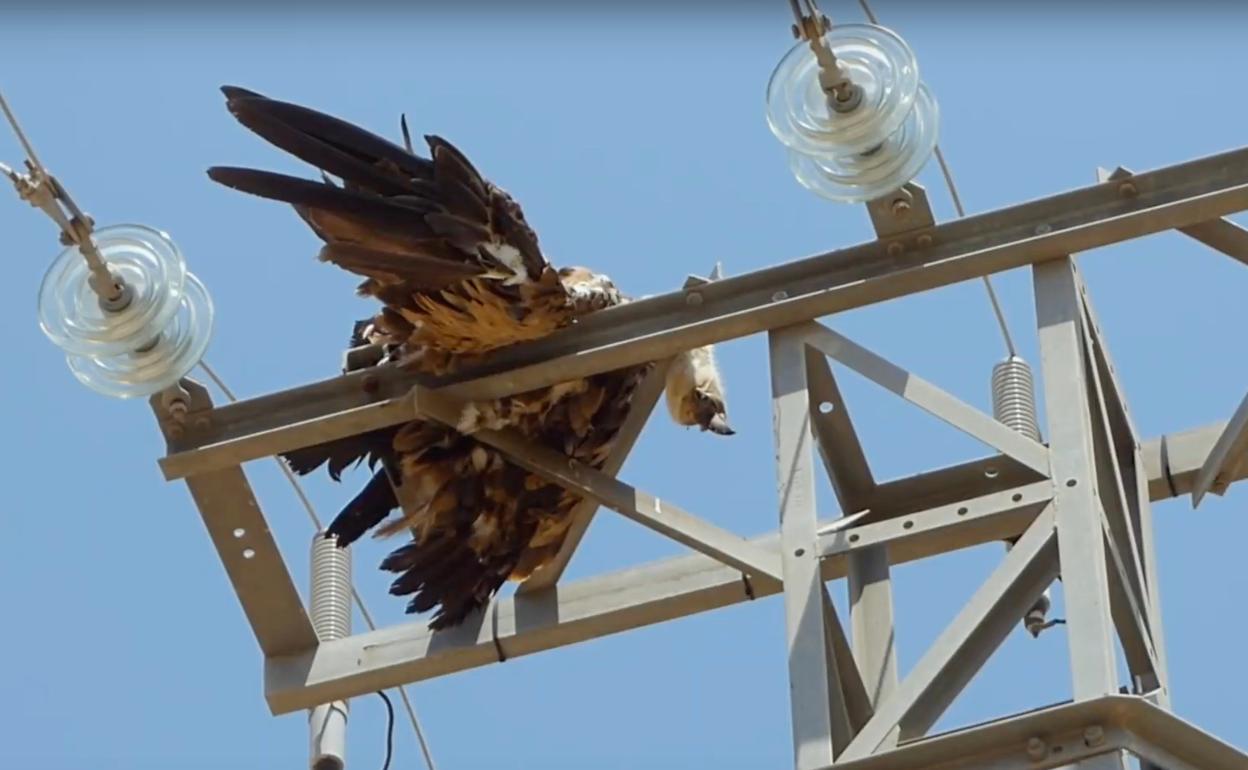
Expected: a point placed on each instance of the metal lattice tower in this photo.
(1078, 504)
(1072, 496)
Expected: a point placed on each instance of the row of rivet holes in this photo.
(909, 523)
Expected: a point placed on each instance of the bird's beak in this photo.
(720, 425)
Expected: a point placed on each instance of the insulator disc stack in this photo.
(143, 343)
(869, 151)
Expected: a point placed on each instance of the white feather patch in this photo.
(509, 256)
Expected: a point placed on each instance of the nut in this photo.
(1037, 749)
(1094, 736)
(895, 249)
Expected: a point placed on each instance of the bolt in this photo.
(924, 240)
(203, 423)
(176, 431)
(1094, 736)
(780, 295)
(1037, 749)
(177, 409)
(901, 206)
(1128, 190)
(370, 384)
(895, 248)
(693, 299)
(1042, 229)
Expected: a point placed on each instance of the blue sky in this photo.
(636, 142)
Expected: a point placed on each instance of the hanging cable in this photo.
(389, 730)
(957, 205)
(355, 595)
(45, 192)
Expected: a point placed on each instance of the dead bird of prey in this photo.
(459, 274)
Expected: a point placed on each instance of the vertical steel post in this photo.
(1081, 538)
(810, 675)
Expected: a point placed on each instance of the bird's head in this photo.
(695, 392)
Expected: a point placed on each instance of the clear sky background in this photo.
(636, 142)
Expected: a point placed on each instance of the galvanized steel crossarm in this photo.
(1172, 197)
(672, 588)
(594, 607)
(1087, 218)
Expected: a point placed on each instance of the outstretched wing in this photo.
(448, 253)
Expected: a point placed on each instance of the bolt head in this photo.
(895, 249)
(1128, 190)
(1094, 735)
(1037, 749)
(693, 299)
(924, 241)
(901, 206)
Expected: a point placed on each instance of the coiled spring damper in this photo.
(145, 339)
(1014, 405)
(856, 150)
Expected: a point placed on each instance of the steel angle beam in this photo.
(1062, 735)
(1219, 234)
(966, 644)
(819, 718)
(664, 590)
(644, 401)
(661, 516)
(658, 327)
(797, 291)
(927, 396)
(1227, 460)
(837, 441)
(240, 533)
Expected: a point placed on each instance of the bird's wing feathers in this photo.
(460, 273)
(393, 204)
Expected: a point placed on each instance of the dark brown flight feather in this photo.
(459, 273)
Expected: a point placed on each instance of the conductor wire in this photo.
(957, 206)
